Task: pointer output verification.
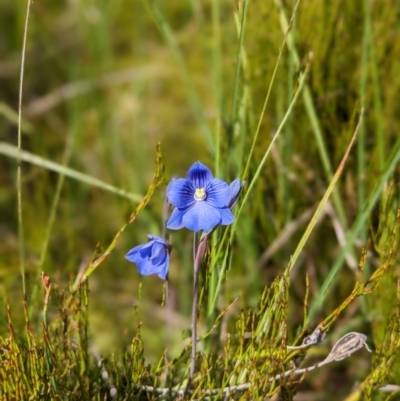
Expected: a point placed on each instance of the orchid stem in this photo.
(198, 255)
(194, 319)
(168, 306)
(165, 217)
(194, 307)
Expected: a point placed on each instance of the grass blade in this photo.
(23, 155)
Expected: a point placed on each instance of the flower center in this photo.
(199, 194)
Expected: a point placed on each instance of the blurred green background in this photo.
(104, 83)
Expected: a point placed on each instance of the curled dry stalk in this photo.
(342, 349)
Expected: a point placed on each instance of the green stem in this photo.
(21, 246)
(217, 81)
(238, 62)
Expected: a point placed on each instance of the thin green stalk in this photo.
(21, 246)
(378, 107)
(243, 13)
(281, 180)
(217, 80)
(243, 122)
(12, 116)
(361, 173)
(287, 143)
(217, 86)
(361, 145)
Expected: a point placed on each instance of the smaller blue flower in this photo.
(201, 201)
(151, 258)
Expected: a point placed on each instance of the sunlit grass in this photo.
(228, 84)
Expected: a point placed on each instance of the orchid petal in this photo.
(180, 193)
(227, 216)
(199, 175)
(201, 217)
(151, 258)
(217, 193)
(235, 188)
(175, 221)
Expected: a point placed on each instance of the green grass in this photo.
(316, 236)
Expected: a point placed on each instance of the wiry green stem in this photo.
(21, 247)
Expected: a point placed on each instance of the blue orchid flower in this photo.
(235, 188)
(151, 258)
(201, 201)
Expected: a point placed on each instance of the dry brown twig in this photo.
(343, 348)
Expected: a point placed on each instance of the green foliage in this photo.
(273, 93)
